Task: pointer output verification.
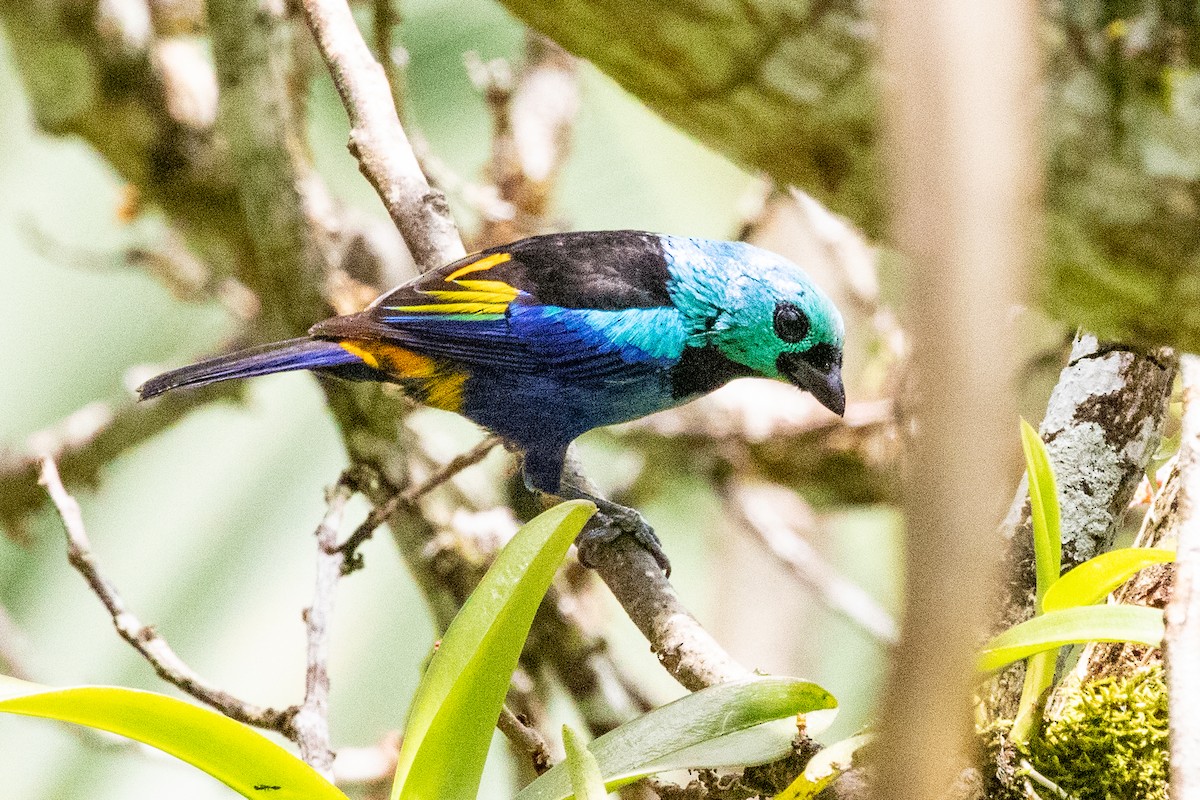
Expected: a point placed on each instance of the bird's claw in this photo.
(607, 526)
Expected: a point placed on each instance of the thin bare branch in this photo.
(1182, 645)
(152, 647)
(86, 441)
(311, 722)
(407, 499)
(377, 139)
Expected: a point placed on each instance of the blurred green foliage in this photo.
(791, 88)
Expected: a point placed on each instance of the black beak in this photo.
(817, 371)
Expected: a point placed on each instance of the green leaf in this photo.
(732, 724)
(1043, 505)
(586, 781)
(459, 698)
(238, 756)
(1116, 623)
(1091, 581)
(1039, 676)
(824, 768)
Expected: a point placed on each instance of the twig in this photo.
(311, 722)
(406, 500)
(377, 139)
(1182, 643)
(771, 514)
(526, 737)
(166, 663)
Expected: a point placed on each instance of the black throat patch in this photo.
(702, 370)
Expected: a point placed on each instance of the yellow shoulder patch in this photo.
(468, 296)
(487, 262)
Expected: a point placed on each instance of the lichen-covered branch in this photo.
(1102, 427)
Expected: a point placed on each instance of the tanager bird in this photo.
(543, 339)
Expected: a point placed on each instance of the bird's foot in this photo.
(609, 524)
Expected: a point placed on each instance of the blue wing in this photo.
(478, 312)
(575, 344)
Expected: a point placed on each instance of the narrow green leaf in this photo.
(459, 698)
(1039, 677)
(1091, 581)
(586, 781)
(824, 768)
(732, 724)
(1118, 623)
(238, 756)
(1043, 505)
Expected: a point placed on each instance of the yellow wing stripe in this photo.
(500, 287)
(455, 308)
(486, 262)
(468, 296)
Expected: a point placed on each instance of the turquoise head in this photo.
(760, 311)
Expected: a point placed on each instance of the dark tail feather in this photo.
(303, 353)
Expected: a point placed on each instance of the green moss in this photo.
(1110, 740)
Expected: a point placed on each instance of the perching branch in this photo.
(683, 646)
(1182, 644)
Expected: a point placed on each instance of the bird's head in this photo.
(763, 312)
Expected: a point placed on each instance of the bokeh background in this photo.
(207, 528)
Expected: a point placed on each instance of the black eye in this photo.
(791, 324)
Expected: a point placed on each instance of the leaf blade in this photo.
(458, 700)
(1114, 623)
(586, 781)
(1094, 579)
(743, 713)
(199, 736)
(1044, 510)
